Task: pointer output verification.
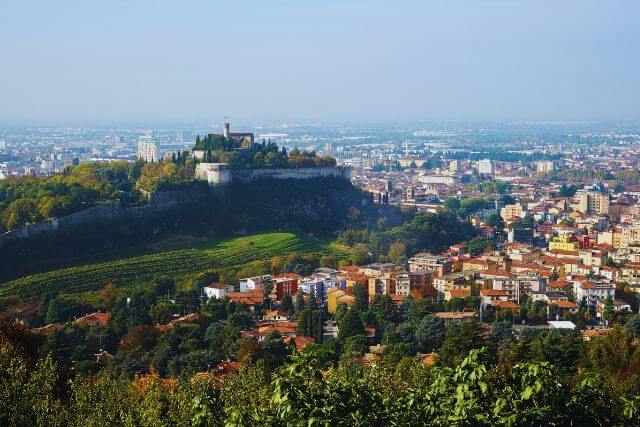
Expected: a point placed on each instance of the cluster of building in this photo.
(47, 151)
(576, 251)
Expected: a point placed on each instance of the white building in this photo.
(561, 324)
(485, 167)
(516, 287)
(544, 166)
(3, 144)
(592, 292)
(218, 291)
(355, 162)
(439, 179)
(254, 283)
(317, 287)
(147, 149)
(47, 165)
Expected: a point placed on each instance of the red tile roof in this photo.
(505, 304)
(497, 273)
(492, 292)
(559, 284)
(565, 304)
(460, 293)
(94, 319)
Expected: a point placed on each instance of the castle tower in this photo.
(226, 128)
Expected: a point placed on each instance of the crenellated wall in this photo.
(218, 174)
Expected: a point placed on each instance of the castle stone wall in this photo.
(158, 202)
(219, 174)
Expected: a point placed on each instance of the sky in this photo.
(153, 60)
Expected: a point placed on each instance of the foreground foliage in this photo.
(301, 393)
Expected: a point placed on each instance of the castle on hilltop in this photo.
(240, 139)
(232, 140)
(234, 144)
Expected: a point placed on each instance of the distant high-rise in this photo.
(544, 166)
(3, 144)
(454, 165)
(180, 137)
(147, 149)
(485, 167)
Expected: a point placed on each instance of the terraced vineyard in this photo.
(178, 264)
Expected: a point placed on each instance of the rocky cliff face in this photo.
(317, 204)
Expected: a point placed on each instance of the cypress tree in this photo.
(350, 325)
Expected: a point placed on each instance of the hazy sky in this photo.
(325, 59)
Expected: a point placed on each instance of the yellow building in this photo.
(479, 264)
(455, 283)
(628, 236)
(563, 243)
(335, 296)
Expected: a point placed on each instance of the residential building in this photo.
(563, 242)
(489, 296)
(378, 269)
(426, 261)
(512, 211)
(439, 179)
(544, 166)
(147, 149)
(448, 317)
(593, 202)
(337, 296)
(485, 167)
(217, 291)
(285, 284)
(517, 286)
(592, 292)
(317, 286)
(619, 306)
(254, 283)
(479, 264)
(454, 282)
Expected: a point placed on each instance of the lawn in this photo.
(179, 264)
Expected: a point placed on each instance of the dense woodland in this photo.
(431, 232)
(27, 200)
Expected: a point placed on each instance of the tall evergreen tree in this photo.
(350, 325)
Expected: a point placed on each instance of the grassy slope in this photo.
(136, 271)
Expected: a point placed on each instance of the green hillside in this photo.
(131, 272)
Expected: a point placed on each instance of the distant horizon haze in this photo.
(80, 63)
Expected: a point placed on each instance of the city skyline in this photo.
(75, 63)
